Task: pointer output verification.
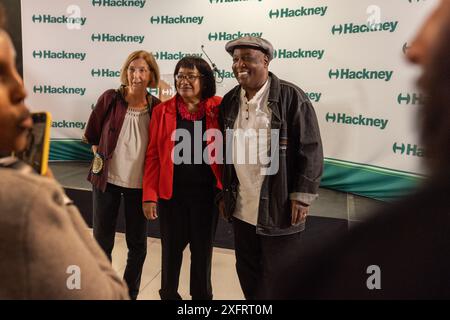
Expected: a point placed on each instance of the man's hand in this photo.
(94, 149)
(150, 211)
(299, 212)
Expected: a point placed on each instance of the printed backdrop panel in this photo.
(347, 55)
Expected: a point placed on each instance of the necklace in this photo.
(192, 116)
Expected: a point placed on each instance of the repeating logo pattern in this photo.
(348, 60)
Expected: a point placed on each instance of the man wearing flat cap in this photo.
(267, 202)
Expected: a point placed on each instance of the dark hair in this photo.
(435, 114)
(2, 17)
(208, 81)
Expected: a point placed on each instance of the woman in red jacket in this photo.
(182, 176)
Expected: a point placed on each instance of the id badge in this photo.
(97, 165)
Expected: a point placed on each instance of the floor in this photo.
(330, 204)
(224, 278)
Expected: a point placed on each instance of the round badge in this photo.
(97, 165)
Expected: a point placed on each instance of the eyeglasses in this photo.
(188, 77)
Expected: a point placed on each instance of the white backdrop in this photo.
(371, 147)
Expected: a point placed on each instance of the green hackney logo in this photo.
(46, 89)
(165, 92)
(119, 3)
(230, 1)
(408, 149)
(314, 96)
(225, 36)
(411, 98)
(106, 37)
(105, 73)
(164, 55)
(176, 20)
(59, 55)
(224, 74)
(301, 12)
(349, 28)
(153, 91)
(64, 124)
(46, 18)
(346, 74)
(359, 120)
(298, 54)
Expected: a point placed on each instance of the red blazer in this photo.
(158, 172)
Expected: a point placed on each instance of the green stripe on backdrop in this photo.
(69, 150)
(369, 181)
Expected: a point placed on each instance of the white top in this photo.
(251, 144)
(126, 167)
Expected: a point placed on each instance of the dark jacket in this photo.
(409, 242)
(103, 129)
(300, 156)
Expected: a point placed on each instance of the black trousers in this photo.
(260, 259)
(190, 220)
(106, 210)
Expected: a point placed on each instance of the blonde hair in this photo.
(153, 66)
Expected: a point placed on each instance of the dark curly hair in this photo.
(434, 116)
(208, 81)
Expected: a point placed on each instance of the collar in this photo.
(7, 161)
(274, 91)
(274, 95)
(16, 164)
(259, 95)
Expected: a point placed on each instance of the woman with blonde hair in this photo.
(118, 132)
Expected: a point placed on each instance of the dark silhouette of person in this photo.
(402, 252)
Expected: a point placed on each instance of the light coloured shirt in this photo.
(251, 144)
(251, 150)
(126, 167)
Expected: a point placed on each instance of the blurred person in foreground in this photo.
(46, 249)
(402, 252)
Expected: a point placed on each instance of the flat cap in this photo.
(253, 42)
